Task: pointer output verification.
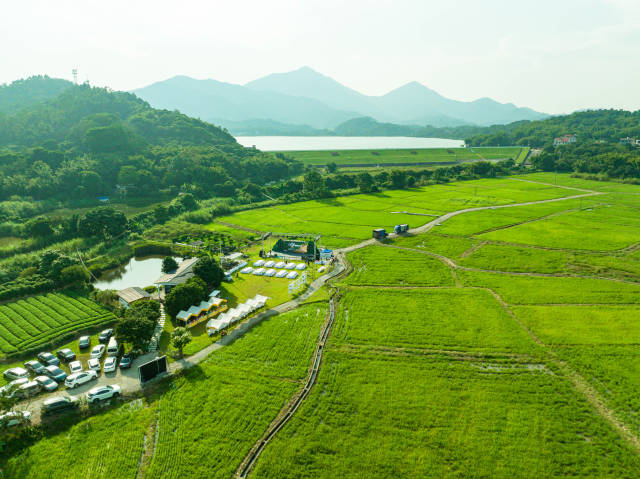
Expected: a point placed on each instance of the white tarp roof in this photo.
(259, 271)
(280, 264)
(292, 275)
(290, 266)
(269, 264)
(260, 262)
(270, 272)
(281, 274)
(246, 270)
(301, 266)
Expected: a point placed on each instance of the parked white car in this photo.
(13, 418)
(101, 393)
(94, 364)
(98, 351)
(77, 379)
(75, 367)
(16, 373)
(110, 364)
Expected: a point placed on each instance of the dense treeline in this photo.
(86, 141)
(597, 125)
(27, 92)
(609, 160)
(600, 125)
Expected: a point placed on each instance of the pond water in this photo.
(310, 143)
(137, 272)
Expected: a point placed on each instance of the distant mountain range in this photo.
(305, 100)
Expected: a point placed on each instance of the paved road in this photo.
(128, 379)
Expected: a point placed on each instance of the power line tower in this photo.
(75, 75)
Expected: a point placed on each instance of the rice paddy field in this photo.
(406, 156)
(501, 343)
(35, 321)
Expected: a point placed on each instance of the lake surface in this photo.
(137, 272)
(302, 143)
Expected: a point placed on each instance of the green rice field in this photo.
(512, 354)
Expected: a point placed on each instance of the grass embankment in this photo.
(383, 157)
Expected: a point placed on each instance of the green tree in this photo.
(313, 183)
(39, 227)
(169, 264)
(105, 222)
(332, 167)
(138, 324)
(180, 337)
(398, 179)
(209, 270)
(74, 274)
(185, 295)
(365, 182)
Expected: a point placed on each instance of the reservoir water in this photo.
(137, 272)
(302, 143)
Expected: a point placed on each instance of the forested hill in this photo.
(30, 91)
(85, 141)
(86, 118)
(595, 125)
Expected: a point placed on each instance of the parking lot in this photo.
(127, 379)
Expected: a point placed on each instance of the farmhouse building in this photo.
(179, 276)
(128, 296)
(565, 140)
(630, 141)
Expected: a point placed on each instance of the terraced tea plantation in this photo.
(30, 322)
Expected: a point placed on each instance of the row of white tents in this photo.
(234, 315)
(280, 265)
(283, 273)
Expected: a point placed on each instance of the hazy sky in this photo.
(551, 55)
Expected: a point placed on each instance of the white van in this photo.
(112, 348)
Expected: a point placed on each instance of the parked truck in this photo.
(379, 233)
(401, 228)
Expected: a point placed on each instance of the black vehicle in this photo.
(59, 404)
(66, 354)
(105, 335)
(48, 359)
(125, 362)
(35, 367)
(84, 342)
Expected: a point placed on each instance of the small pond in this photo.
(137, 272)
